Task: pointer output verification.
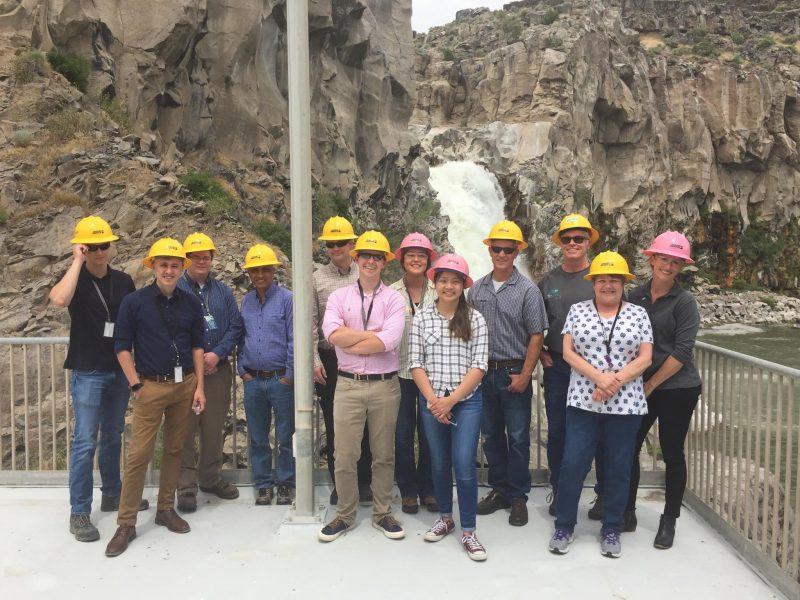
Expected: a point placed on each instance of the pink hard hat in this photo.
(672, 243)
(416, 240)
(451, 262)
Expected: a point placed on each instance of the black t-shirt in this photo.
(88, 349)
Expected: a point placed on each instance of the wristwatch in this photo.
(137, 386)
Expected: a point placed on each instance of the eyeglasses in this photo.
(339, 244)
(96, 247)
(578, 239)
(502, 249)
(201, 259)
(369, 256)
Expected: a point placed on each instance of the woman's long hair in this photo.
(460, 325)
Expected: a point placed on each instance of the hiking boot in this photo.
(410, 506)
(111, 504)
(389, 526)
(559, 543)
(431, 505)
(334, 497)
(284, 494)
(124, 535)
(519, 512)
(597, 511)
(364, 494)
(333, 530)
(610, 544)
(439, 529)
(81, 527)
(492, 502)
(474, 548)
(172, 521)
(222, 489)
(666, 533)
(187, 503)
(264, 496)
(630, 521)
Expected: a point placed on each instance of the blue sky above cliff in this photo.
(427, 13)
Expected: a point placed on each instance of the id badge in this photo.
(211, 323)
(108, 330)
(178, 374)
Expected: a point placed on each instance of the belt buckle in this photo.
(360, 377)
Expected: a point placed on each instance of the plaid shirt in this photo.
(446, 359)
(326, 280)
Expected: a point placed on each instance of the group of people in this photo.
(409, 376)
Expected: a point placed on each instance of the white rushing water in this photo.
(471, 196)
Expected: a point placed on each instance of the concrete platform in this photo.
(237, 550)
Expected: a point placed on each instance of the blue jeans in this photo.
(261, 397)
(556, 386)
(413, 476)
(99, 401)
(618, 436)
(506, 427)
(454, 448)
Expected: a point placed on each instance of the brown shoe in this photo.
(222, 489)
(410, 505)
(519, 512)
(187, 503)
(119, 543)
(431, 504)
(170, 519)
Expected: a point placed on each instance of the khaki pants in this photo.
(211, 424)
(376, 403)
(173, 402)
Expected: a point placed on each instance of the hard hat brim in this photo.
(520, 244)
(147, 261)
(96, 240)
(627, 276)
(261, 263)
(389, 255)
(431, 253)
(686, 260)
(431, 274)
(337, 238)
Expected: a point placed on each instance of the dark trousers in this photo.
(673, 409)
(412, 474)
(326, 394)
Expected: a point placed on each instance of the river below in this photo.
(775, 343)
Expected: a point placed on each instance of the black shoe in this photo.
(630, 521)
(493, 501)
(187, 503)
(364, 494)
(284, 494)
(334, 497)
(666, 533)
(597, 511)
(111, 504)
(519, 512)
(264, 496)
(81, 527)
(551, 510)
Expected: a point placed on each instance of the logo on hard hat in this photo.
(336, 230)
(98, 231)
(609, 263)
(676, 245)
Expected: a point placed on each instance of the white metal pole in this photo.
(300, 162)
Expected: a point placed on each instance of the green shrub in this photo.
(736, 59)
(327, 204)
(553, 42)
(738, 37)
(550, 15)
(657, 49)
(769, 301)
(22, 138)
(448, 54)
(201, 185)
(28, 65)
(510, 25)
(672, 43)
(116, 112)
(705, 48)
(3, 217)
(765, 42)
(790, 39)
(697, 34)
(682, 51)
(66, 124)
(582, 197)
(75, 68)
(276, 234)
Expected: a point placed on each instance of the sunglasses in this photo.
(578, 239)
(339, 244)
(367, 256)
(96, 247)
(502, 249)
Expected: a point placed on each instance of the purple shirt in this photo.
(387, 320)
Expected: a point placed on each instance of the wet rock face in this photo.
(578, 114)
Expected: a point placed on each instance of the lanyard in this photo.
(193, 285)
(110, 295)
(607, 342)
(366, 315)
(414, 306)
(169, 325)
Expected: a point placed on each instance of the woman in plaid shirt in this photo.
(448, 354)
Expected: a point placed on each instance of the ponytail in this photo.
(460, 325)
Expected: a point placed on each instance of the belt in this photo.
(163, 378)
(369, 377)
(502, 364)
(266, 374)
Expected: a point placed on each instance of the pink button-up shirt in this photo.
(387, 321)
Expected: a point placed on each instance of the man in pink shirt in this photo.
(364, 321)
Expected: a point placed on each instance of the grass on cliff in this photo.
(28, 65)
(3, 217)
(116, 112)
(75, 68)
(66, 124)
(203, 186)
(276, 234)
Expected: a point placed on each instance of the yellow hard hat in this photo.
(609, 263)
(92, 230)
(166, 247)
(198, 242)
(335, 229)
(374, 241)
(506, 230)
(576, 221)
(260, 255)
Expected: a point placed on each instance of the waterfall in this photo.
(473, 200)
